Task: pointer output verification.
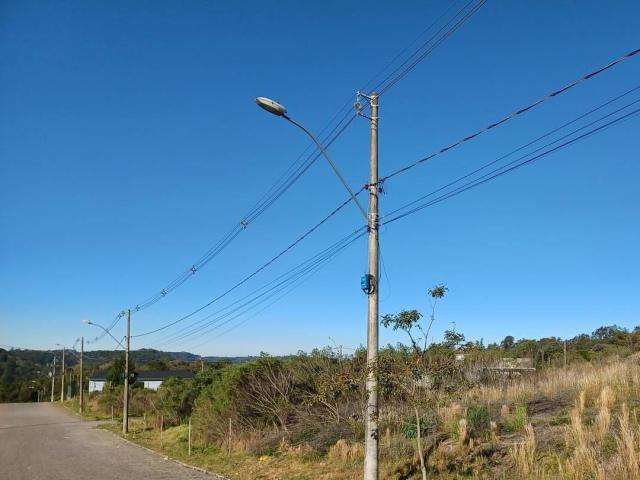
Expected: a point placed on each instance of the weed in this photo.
(478, 420)
(517, 420)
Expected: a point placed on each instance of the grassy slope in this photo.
(572, 424)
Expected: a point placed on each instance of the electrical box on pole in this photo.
(367, 284)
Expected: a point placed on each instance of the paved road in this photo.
(40, 441)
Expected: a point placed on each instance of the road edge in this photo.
(165, 457)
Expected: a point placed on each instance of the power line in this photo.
(247, 278)
(404, 50)
(286, 292)
(281, 186)
(258, 209)
(268, 291)
(278, 281)
(253, 214)
(511, 166)
(464, 14)
(551, 132)
(512, 115)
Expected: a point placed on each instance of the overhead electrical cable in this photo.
(266, 292)
(298, 168)
(285, 291)
(278, 281)
(498, 172)
(512, 115)
(390, 63)
(247, 278)
(466, 12)
(549, 133)
(521, 161)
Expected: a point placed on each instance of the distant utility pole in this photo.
(81, 374)
(62, 381)
(371, 430)
(53, 377)
(125, 414)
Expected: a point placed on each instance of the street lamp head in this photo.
(271, 106)
(88, 322)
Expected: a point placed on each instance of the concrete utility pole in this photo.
(53, 377)
(81, 374)
(371, 440)
(371, 429)
(125, 414)
(62, 381)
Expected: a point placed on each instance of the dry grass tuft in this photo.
(462, 431)
(344, 451)
(524, 453)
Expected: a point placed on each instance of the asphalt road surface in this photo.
(41, 441)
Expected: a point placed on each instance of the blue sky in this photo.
(130, 143)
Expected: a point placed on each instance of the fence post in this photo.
(229, 436)
(189, 436)
(161, 429)
(111, 413)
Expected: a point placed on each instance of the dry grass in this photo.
(580, 377)
(524, 453)
(602, 438)
(344, 451)
(592, 432)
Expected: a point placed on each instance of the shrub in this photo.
(478, 420)
(409, 428)
(517, 420)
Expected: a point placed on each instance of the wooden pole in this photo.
(189, 436)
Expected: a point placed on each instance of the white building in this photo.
(149, 379)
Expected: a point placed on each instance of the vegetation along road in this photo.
(43, 441)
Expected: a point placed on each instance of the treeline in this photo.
(603, 342)
(25, 374)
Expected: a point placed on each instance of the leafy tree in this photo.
(508, 342)
(452, 339)
(406, 320)
(115, 374)
(422, 371)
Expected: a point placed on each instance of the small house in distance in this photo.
(150, 379)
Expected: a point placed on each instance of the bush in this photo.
(409, 427)
(478, 420)
(516, 421)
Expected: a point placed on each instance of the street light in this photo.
(279, 110)
(125, 408)
(89, 322)
(372, 291)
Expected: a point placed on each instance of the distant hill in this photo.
(41, 360)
